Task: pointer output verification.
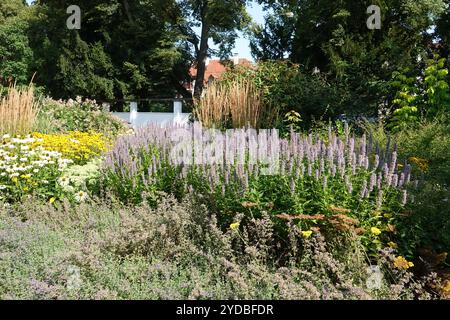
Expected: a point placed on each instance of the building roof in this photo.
(216, 69)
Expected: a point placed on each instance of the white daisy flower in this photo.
(81, 196)
(64, 181)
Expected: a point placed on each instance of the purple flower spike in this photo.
(404, 197)
(293, 186)
(373, 182)
(364, 191)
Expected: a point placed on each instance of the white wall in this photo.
(140, 119)
(143, 118)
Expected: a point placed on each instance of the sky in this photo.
(242, 44)
(242, 47)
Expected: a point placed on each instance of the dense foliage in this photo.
(336, 183)
(77, 115)
(177, 251)
(333, 37)
(286, 87)
(320, 205)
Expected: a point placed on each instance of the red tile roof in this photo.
(216, 69)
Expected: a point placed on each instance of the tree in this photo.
(332, 36)
(274, 39)
(10, 8)
(15, 52)
(124, 49)
(442, 35)
(218, 20)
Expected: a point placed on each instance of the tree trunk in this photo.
(201, 60)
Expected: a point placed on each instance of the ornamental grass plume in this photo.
(18, 110)
(235, 104)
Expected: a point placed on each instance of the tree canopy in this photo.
(333, 37)
(140, 49)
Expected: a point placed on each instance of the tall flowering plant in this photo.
(340, 183)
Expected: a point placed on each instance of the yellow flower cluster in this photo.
(401, 263)
(375, 231)
(307, 234)
(421, 163)
(25, 169)
(77, 146)
(235, 226)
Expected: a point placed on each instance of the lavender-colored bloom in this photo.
(364, 190)
(290, 165)
(408, 178)
(373, 182)
(351, 146)
(366, 162)
(393, 162)
(404, 197)
(227, 176)
(395, 180)
(401, 180)
(363, 145)
(246, 183)
(325, 182)
(184, 172)
(377, 162)
(322, 166)
(293, 186)
(350, 187)
(389, 180)
(353, 163)
(386, 172)
(380, 200)
(333, 170)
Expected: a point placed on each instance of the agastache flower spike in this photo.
(377, 162)
(379, 199)
(404, 197)
(393, 162)
(292, 185)
(373, 182)
(363, 190)
(395, 180)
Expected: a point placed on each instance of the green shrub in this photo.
(424, 95)
(286, 87)
(176, 251)
(426, 146)
(84, 116)
(337, 184)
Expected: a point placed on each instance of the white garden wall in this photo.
(140, 119)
